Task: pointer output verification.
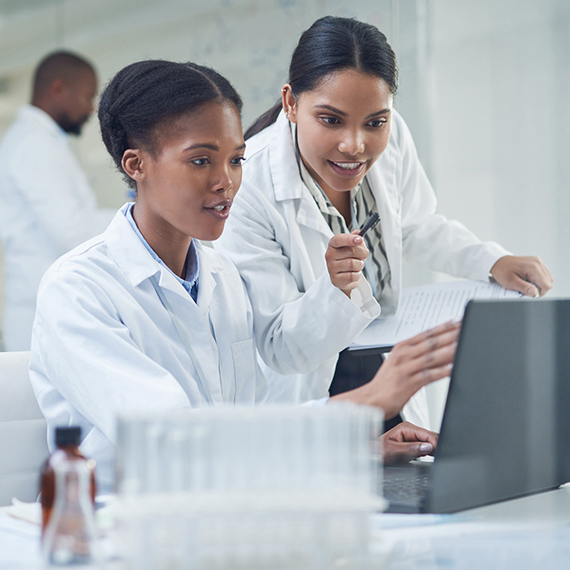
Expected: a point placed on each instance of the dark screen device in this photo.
(506, 424)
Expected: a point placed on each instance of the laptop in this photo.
(506, 425)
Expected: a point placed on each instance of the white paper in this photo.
(19, 543)
(427, 306)
(29, 512)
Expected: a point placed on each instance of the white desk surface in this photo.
(523, 534)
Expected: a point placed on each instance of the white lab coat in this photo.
(103, 341)
(277, 237)
(46, 208)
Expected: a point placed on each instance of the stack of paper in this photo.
(427, 306)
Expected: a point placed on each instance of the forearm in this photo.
(448, 246)
(297, 334)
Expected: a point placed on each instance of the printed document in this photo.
(427, 306)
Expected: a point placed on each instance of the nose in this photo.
(352, 142)
(223, 181)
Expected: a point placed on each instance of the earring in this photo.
(286, 112)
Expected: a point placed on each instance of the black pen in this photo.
(370, 224)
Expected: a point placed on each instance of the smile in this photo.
(347, 168)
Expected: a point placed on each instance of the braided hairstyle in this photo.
(334, 44)
(146, 94)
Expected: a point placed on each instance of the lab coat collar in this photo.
(209, 267)
(37, 115)
(287, 182)
(283, 163)
(138, 264)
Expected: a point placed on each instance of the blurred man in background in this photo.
(46, 204)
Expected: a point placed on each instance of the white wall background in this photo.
(501, 123)
(484, 88)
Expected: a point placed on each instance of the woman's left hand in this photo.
(407, 441)
(528, 275)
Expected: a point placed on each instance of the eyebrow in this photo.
(210, 146)
(343, 114)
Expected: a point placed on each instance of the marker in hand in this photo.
(370, 224)
(344, 255)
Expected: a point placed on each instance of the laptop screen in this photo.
(506, 427)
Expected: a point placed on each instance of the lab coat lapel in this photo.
(128, 251)
(287, 181)
(137, 263)
(210, 276)
(207, 284)
(206, 281)
(198, 337)
(309, 215)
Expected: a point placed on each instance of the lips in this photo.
(345, 168)
(220, 210)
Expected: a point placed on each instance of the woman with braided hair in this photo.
(145, 318)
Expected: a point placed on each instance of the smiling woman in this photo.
(346, 127)
(145, 318)
(330, 153)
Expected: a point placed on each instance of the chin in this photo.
(73, 129)
(345, 185)
(210, 235)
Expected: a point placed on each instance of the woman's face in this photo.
(343, 126)
(189, 184)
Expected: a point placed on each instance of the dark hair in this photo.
(146, 94)
(58, 65)
(329, 45)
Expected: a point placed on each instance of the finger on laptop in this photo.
(407, 441)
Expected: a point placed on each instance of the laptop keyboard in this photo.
(405, 488)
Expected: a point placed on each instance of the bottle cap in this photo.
(67, 436)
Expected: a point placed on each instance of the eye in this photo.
(331, 120)
(377, 124)
(238, 160)
(200, 161)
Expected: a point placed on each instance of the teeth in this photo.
(219, 208)
(348, 165)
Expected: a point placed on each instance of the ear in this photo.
(133, 164)
(289, 103)
(56, 89)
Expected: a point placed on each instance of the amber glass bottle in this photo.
(67, 440)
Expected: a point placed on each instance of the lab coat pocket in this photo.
(243, 355)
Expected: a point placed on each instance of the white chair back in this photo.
(23, 431)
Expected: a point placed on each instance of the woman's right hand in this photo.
(412, 364)
(345, 257)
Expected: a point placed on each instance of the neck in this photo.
(340, 200)
(46, 108)
(170, 245)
